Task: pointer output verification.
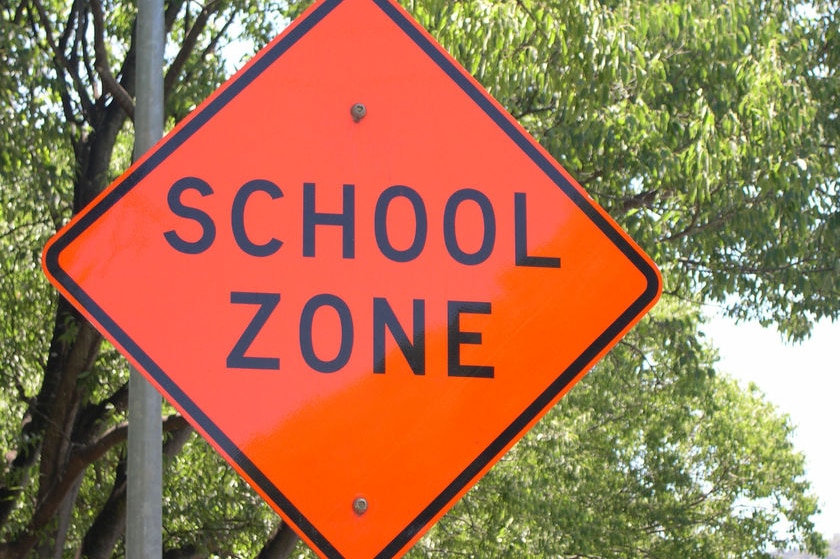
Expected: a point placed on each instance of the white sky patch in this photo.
(803, 381)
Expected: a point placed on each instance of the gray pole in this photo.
(145, 437)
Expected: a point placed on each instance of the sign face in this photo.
(356, 275)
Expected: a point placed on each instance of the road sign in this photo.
(358, 277)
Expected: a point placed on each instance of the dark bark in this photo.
(62, 432)
(109, 525)
(280, 544)
(64, 514)
(49, 430)
(188, 552)
(37, 416)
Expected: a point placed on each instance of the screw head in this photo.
(358, 112)
(360, 506)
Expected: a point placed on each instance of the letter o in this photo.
(381, 224)
(488, 241)
(307, 348)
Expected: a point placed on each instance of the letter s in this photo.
(208, 228)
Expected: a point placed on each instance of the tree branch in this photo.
(89, 67)
(68, 27)
(214, 42)
(58, 57)
(93, 414)
(103, 68)
(188, 46)
(171, 14)
(280, 544)
(109, 525)
(79, 460)
(72, 65)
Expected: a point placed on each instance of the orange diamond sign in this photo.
(358, 277)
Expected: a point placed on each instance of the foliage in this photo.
(66, 132)
(709, 130)
(833, 551)
(669, 461)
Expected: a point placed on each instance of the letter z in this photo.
(237, 358)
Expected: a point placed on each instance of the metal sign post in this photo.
(143, 530)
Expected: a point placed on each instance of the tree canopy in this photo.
(708, 130)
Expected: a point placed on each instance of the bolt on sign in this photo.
(356, 275)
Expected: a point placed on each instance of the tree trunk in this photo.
(109, 525)
(281, 544)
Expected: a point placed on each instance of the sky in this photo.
(803, 381)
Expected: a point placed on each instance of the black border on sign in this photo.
(524, 142)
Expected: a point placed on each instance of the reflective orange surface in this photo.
(266, 341)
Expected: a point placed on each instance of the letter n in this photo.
(414, 352)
